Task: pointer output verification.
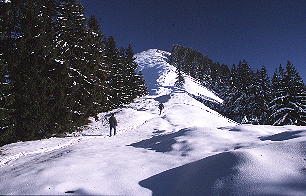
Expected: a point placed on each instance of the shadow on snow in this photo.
(208, 176)
(77, 192)
(163, 98)
(163, 143)
(282, 136)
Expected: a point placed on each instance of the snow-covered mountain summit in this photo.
(160, 76)
(157, 71)
(188, 149)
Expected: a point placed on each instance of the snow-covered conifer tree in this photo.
(7, 122)
(134, 81)
(261, 96)
(288, 104)
(244, 78)
(115, 79)
(99, 70)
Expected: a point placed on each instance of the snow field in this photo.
(187, 150)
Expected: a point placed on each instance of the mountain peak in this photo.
(151, 58)
(160, 76)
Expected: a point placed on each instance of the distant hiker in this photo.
(112, 124)
(96, 118)
(161, 107)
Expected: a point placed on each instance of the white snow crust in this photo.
(187, 150)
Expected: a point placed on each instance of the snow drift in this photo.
(188, 150)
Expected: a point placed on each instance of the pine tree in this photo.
(224, 81)
(288, 104)
(296, 95)
(28, 54)
(71, 42)
(123, 78)
(230, 105)
(141, 89)
(7, 123)
(238, 103)
(180, 78)
(135, 82)
(115, 78)
(244, 78)
(128, 73)
(278, 92)
(125, 84)
(261, 96)
(176, 55)
(99, 70)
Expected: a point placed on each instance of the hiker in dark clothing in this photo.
(161, 107)
(112, 124)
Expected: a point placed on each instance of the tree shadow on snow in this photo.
(92, 135)
(163, 143)
(163, 98)
(230, 128)
(235, 129)
(77, 192)
(208, 176)
(158, 131)
(282, 136)
(151, 75)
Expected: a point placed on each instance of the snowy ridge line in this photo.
(10, 158)
(201, 85)
(212, 112)
(204, 97)
(211, 100)
(194, 80)
(229, 120)
(217, 113)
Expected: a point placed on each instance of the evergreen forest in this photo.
(250, 96)
(57, 68)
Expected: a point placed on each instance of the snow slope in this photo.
(188, 150)
(160, 76)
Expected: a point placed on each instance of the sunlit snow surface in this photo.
(188, 150)
(160, 75)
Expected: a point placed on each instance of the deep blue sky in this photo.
(264, 32)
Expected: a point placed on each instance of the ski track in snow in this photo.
(189, 149)
(5, 160)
